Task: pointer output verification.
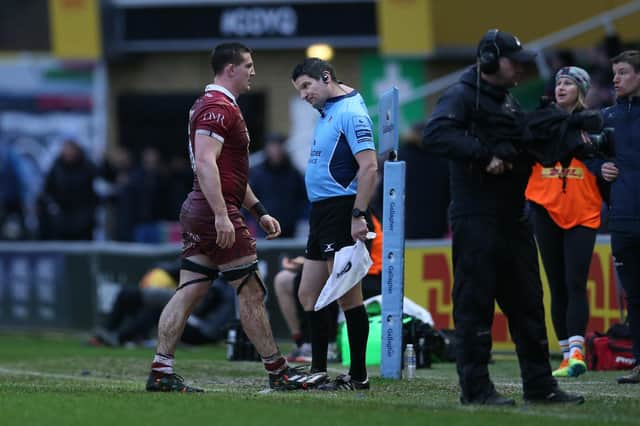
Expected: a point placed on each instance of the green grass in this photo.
(55, 380)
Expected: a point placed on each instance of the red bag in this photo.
(611, 351)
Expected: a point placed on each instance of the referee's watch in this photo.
(356, 212)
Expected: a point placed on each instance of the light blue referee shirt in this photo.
(343, 130)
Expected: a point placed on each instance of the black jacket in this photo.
(624, 117)
(552, 134)
(470, 137)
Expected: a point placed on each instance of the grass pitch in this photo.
(55, 380)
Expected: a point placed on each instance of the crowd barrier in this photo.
(61, 285)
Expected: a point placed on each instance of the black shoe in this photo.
(291, 378)
(345, 382)
(160, 382)
(315, 380)
(494, 399)
(557, 396)
(631, 378)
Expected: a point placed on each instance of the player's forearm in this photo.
(253, 205)
(209, 179)
(367, 179)
(250, 198)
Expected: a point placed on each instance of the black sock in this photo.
(319, 322)
(358, 329)
(332, 311)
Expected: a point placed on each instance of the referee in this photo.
(340, 178)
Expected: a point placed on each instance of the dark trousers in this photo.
(566, 255)
(625, 248)
(497, 261)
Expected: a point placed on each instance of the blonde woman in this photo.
(566, 203)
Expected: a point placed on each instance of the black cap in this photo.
(508, 46)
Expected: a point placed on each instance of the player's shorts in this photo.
(329, 227)
(199, 232)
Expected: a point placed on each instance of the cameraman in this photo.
(494, 253)
(624, 172)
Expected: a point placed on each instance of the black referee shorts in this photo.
(329, 227)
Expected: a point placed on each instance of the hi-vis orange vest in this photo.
(376, 248)
(580, 202)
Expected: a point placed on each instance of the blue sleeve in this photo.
(358, 129)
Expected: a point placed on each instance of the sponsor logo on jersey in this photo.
(362, 129)
(217, 117)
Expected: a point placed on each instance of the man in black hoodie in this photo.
(476, 125)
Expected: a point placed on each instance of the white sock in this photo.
(162, 363)
(564, 345)
(576, 344)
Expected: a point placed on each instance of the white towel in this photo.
(350, 265)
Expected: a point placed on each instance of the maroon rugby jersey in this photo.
(216, 114)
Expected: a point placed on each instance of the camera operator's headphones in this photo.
(489, 54)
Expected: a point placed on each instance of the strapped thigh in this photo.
(245, 272)
(209, 273)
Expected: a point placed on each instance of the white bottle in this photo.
(409, 362)
(231, 343)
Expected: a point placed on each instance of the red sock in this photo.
(275, 364)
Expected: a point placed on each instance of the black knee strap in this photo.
(245, 272)
(209, 273)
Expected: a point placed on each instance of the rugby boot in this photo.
(556, 396)
(577, 364)
(563, 369)
(291, 378)
(160, 382)
(345, 382)
(492, 399)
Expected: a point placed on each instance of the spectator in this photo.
(116, 171)
(68, 201)
(147, 193)
(179, 183)
(288, 202)
(12, 194)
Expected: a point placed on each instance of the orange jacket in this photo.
(376, 248)
(578, 204)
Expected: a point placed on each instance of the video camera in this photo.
(603, 142)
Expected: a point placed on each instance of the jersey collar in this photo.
(332, 101)
(339, 98)
(218, 88)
